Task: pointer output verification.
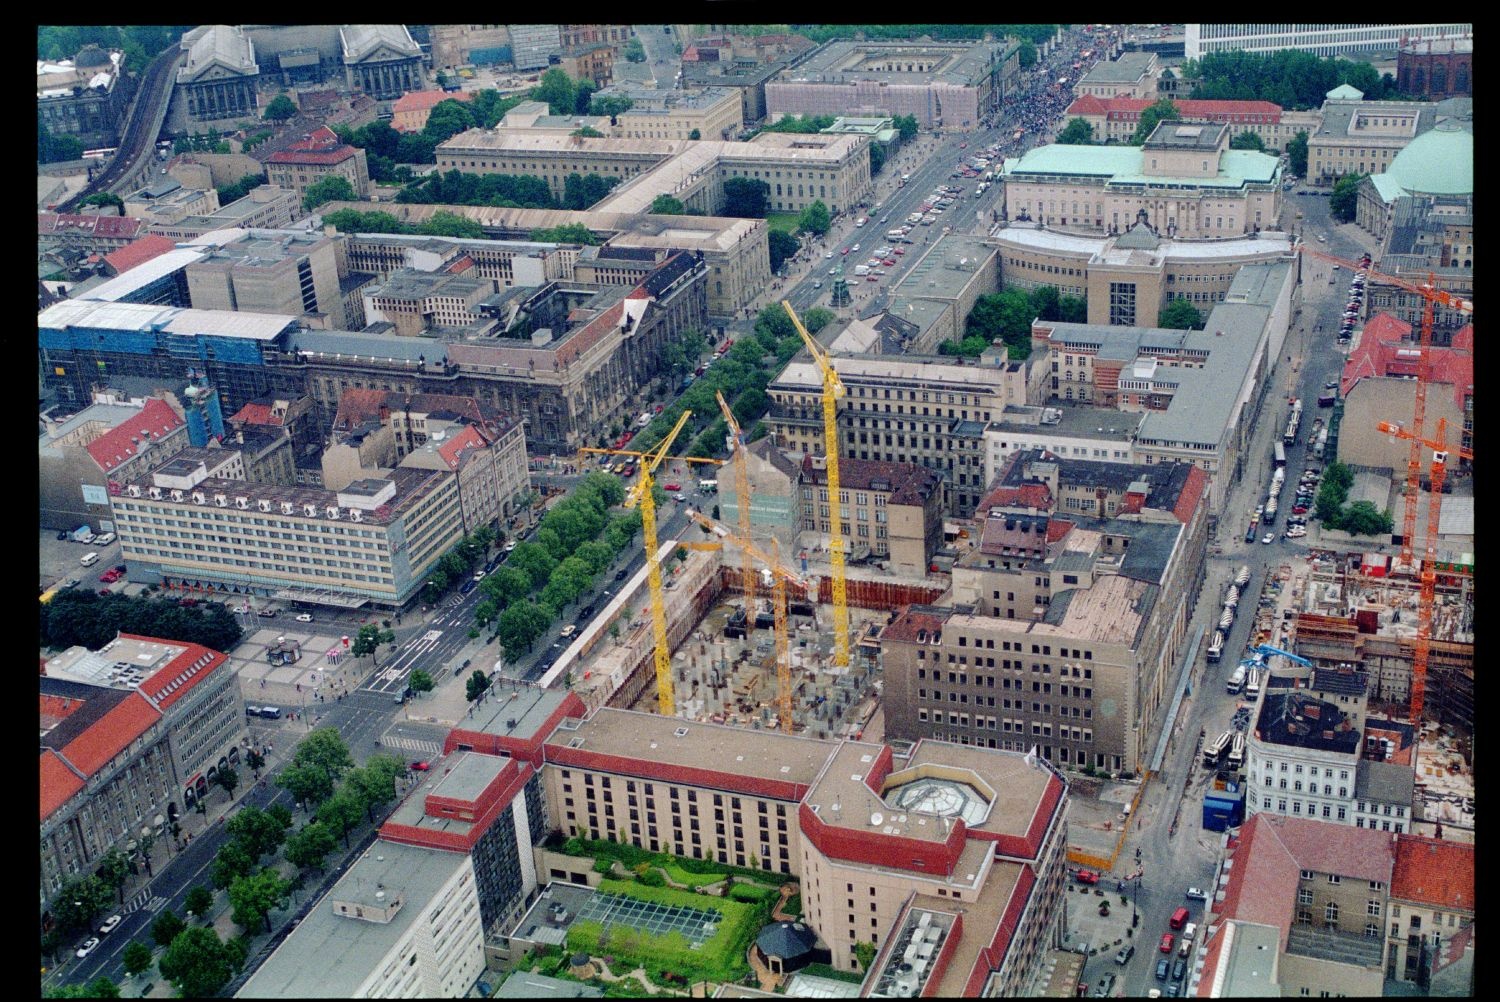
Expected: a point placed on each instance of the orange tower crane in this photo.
(1439, 446)
(742, 499)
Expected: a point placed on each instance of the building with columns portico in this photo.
(218, 80)
(381, 60)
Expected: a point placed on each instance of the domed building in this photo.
(1439, 162)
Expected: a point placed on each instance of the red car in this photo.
(110, 576)
(423, 767)
(1166, 942)
(900, 250)
(1088, 877)
(671, 487)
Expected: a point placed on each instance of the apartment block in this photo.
(132, 736)
(1431, 909)
(927, 410)
(712, 113)
(415, 302)
(109, 441)
(1133, 75)
(297, 274)
(889, 511)
(371, 542)
(316, 156)
(1114, 119)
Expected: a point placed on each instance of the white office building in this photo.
(1321, 39)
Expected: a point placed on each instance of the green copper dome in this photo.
(1438, 162)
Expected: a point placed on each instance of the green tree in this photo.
(333, 188)
(280, 109)
(253, 898)
(1179, 314)
(1248, 140)
(229, 779)
(865, 954)
(814, 219)
(1362, 518)
(447, 119)
(507, 585)
(166, 927)
(369, 639)
(450, 224)
(583, 96)
(80, 898)
(420, 681)
(1072, 309)
(906, 125)
(309, 847)
(666, 205)
(558, 90)
(1345, 197)
(232, 862)
(635, 52)
(341, 812)
(1045, 302)
(1005, 316)
(198, 902)
(105, 198)
(259, 832)
(781, 246)
(324, 749)
(535, 561)
(1078, 132)
(1162, 110)
(99, 988)
(52, 149)
(569, 233)
(695, 135)
(197, 963)
(309, 784)
(1027, 55)
(375, 783)
(476, 686)
(746, 198)
(137, 957)
(595, 554)
(114, 870)
(519, 626)
(1296, 151)
(612, 105)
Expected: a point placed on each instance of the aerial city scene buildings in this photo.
(716, 510)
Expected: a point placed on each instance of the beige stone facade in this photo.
(713, 113)
(1363, 137)
(891, 510)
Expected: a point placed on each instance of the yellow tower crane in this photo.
(781, 574)
(833, 388)
(640, 494)
(742, 495)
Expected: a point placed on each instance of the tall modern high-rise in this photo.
(1321, 39)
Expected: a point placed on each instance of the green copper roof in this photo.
(1123, 165)
(1438, 162)
(1344, 92)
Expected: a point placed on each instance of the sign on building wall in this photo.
(95, 494)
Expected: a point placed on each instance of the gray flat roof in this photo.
(361, 345)
(1076, 420)
(1127, 69)
(832, 63)
(330, 956)
(1387, 782)
(519, 716)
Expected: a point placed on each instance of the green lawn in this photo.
(784, 221)
(694, 880)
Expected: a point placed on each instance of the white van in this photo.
(89, 559)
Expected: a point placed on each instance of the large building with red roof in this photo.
(132, 736)
(316, 156)
(106, 442)
(1432, 904)
(1379, 384)
(969, 838)
(1300, 909)
(1114, 119)
(409, 113)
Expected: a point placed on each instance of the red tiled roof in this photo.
(147, 247)
(316, 100)
(910, 483)
(1385, 349)
(1131, 107)
(169, 684)
(1434, 872)
(111, 734)
(453, 450)
(99, 226)
(321, 146)
(1057, 528)
(255, 413)
(116, 446)
(1463, 338)
(1192, 493)
(59, 783)
(420, 100)
(910, 622)
(1089, 104)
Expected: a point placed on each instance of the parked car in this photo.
(1123, 957)
(267, 613)
(1167, 939)
(420, 766)
(1162, 967)
(1105, 986)
(1087, 877)
(104, 539)
(585, 614)
(62, 536)
(304, 617)
(620, 574)
(1197, 893)
(1268, 538)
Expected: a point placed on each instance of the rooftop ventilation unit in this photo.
(242, 503)
(332, 511)
(133, 491)
(221, 501)
(287, 507)
(265, 505)
(310, 510)
(155, 493)
(355, 515)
